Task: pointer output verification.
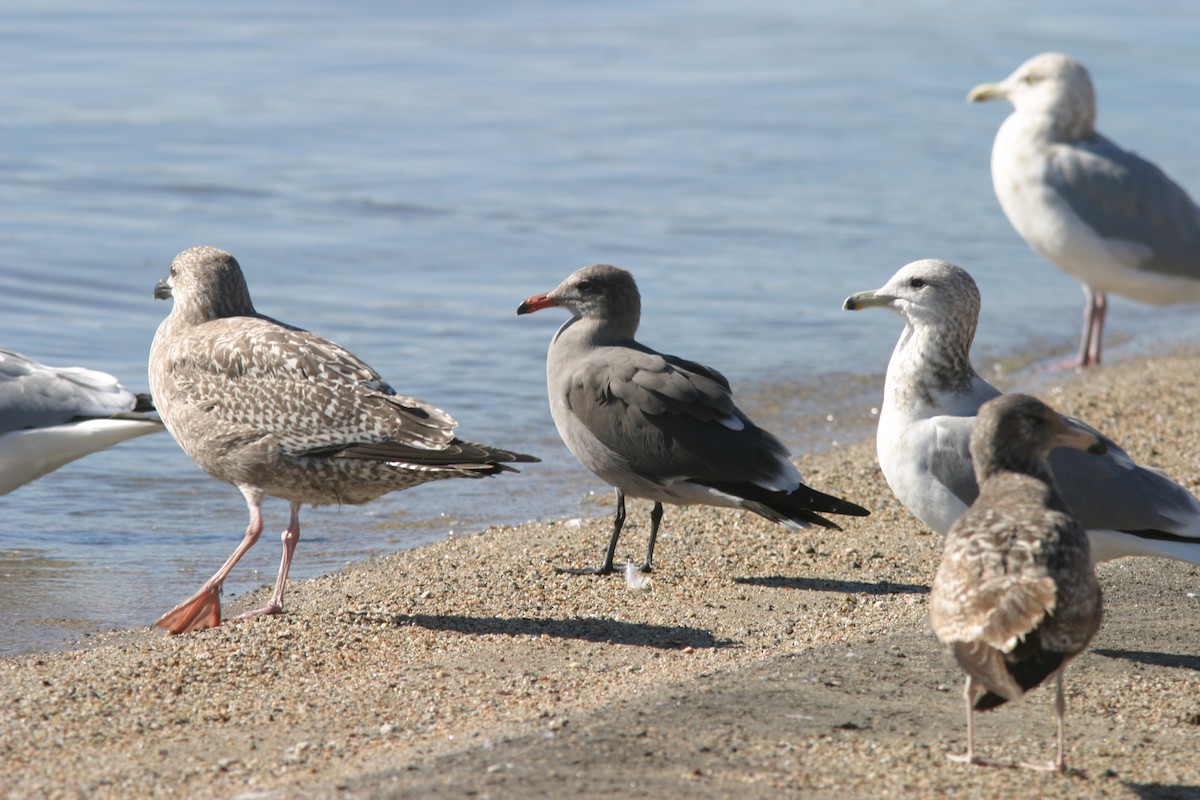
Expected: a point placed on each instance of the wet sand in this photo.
(759, 663)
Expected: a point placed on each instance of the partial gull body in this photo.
(278, 411)
(50, 416)
(931, 396)
(1015, 597)
(656, 426)
(1105, 216)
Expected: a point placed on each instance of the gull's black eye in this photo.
(171, 272)
(917, 283)
(584, 285)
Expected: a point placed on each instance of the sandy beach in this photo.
(760, 662)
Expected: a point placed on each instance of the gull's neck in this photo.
(594, 331)
(1047, 126)
(930, 372)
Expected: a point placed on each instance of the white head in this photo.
(930, 294)
(1052, 84)
(939, 303)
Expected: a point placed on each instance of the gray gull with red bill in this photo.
(278, 411)
(656, 426)
(50, 416)
(1015, 597)
(930, 398)
(1105, 216)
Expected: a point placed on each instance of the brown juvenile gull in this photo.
(1105, 216)
(930, 398)
(276, 410)
(657, 426)
(50, 416)
(1015, 597)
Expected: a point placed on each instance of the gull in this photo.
(931, 396)
(279, 411)
(657, 426)
(1105, 216)
(1015, 597)
(50, 416)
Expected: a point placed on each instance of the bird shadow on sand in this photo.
(608, 631)
(1155, 659)
(1164, 791)
(826, 585)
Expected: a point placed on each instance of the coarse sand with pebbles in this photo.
(759, 662)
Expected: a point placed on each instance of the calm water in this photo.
(398, 176)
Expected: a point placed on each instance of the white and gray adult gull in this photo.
(278, 411)
(1015, 596)
(1105, 216)
(50, 416)
(931, 396)
(656, 426)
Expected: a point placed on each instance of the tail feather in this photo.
(458, 453)
(798, 506)
(1029, 671)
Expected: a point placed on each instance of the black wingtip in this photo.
(802, 504)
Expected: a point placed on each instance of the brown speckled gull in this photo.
(656, 426)
(1015, 597)
(276, 410)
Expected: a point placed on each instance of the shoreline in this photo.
(759, 661)
(810, 416)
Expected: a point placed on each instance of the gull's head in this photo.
(1015, 431)
(206, 284)
(600, 291)
(930, 293)
(1052, 84)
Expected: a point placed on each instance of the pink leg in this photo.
(1059, 764)
(290, 537)
(203, 609)
(1099, 315)
(1095, 309)
(969, 757)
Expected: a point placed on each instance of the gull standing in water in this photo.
(931, 395)
(656, 426)
(1015, 597)
(1105, 216)
(278, 411)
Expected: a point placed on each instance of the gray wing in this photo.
(1111, 492)
(33, 395)
(671, 418)
(950, 457)
(1104, 492)
(246, 377)
(1122, 196)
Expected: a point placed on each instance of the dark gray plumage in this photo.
(656, 426)
(278, 411)
(1016, 597)
(1105, 216)
(50, 416)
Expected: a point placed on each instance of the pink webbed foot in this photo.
(201, 610)
(269, 608)
(979, 761)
